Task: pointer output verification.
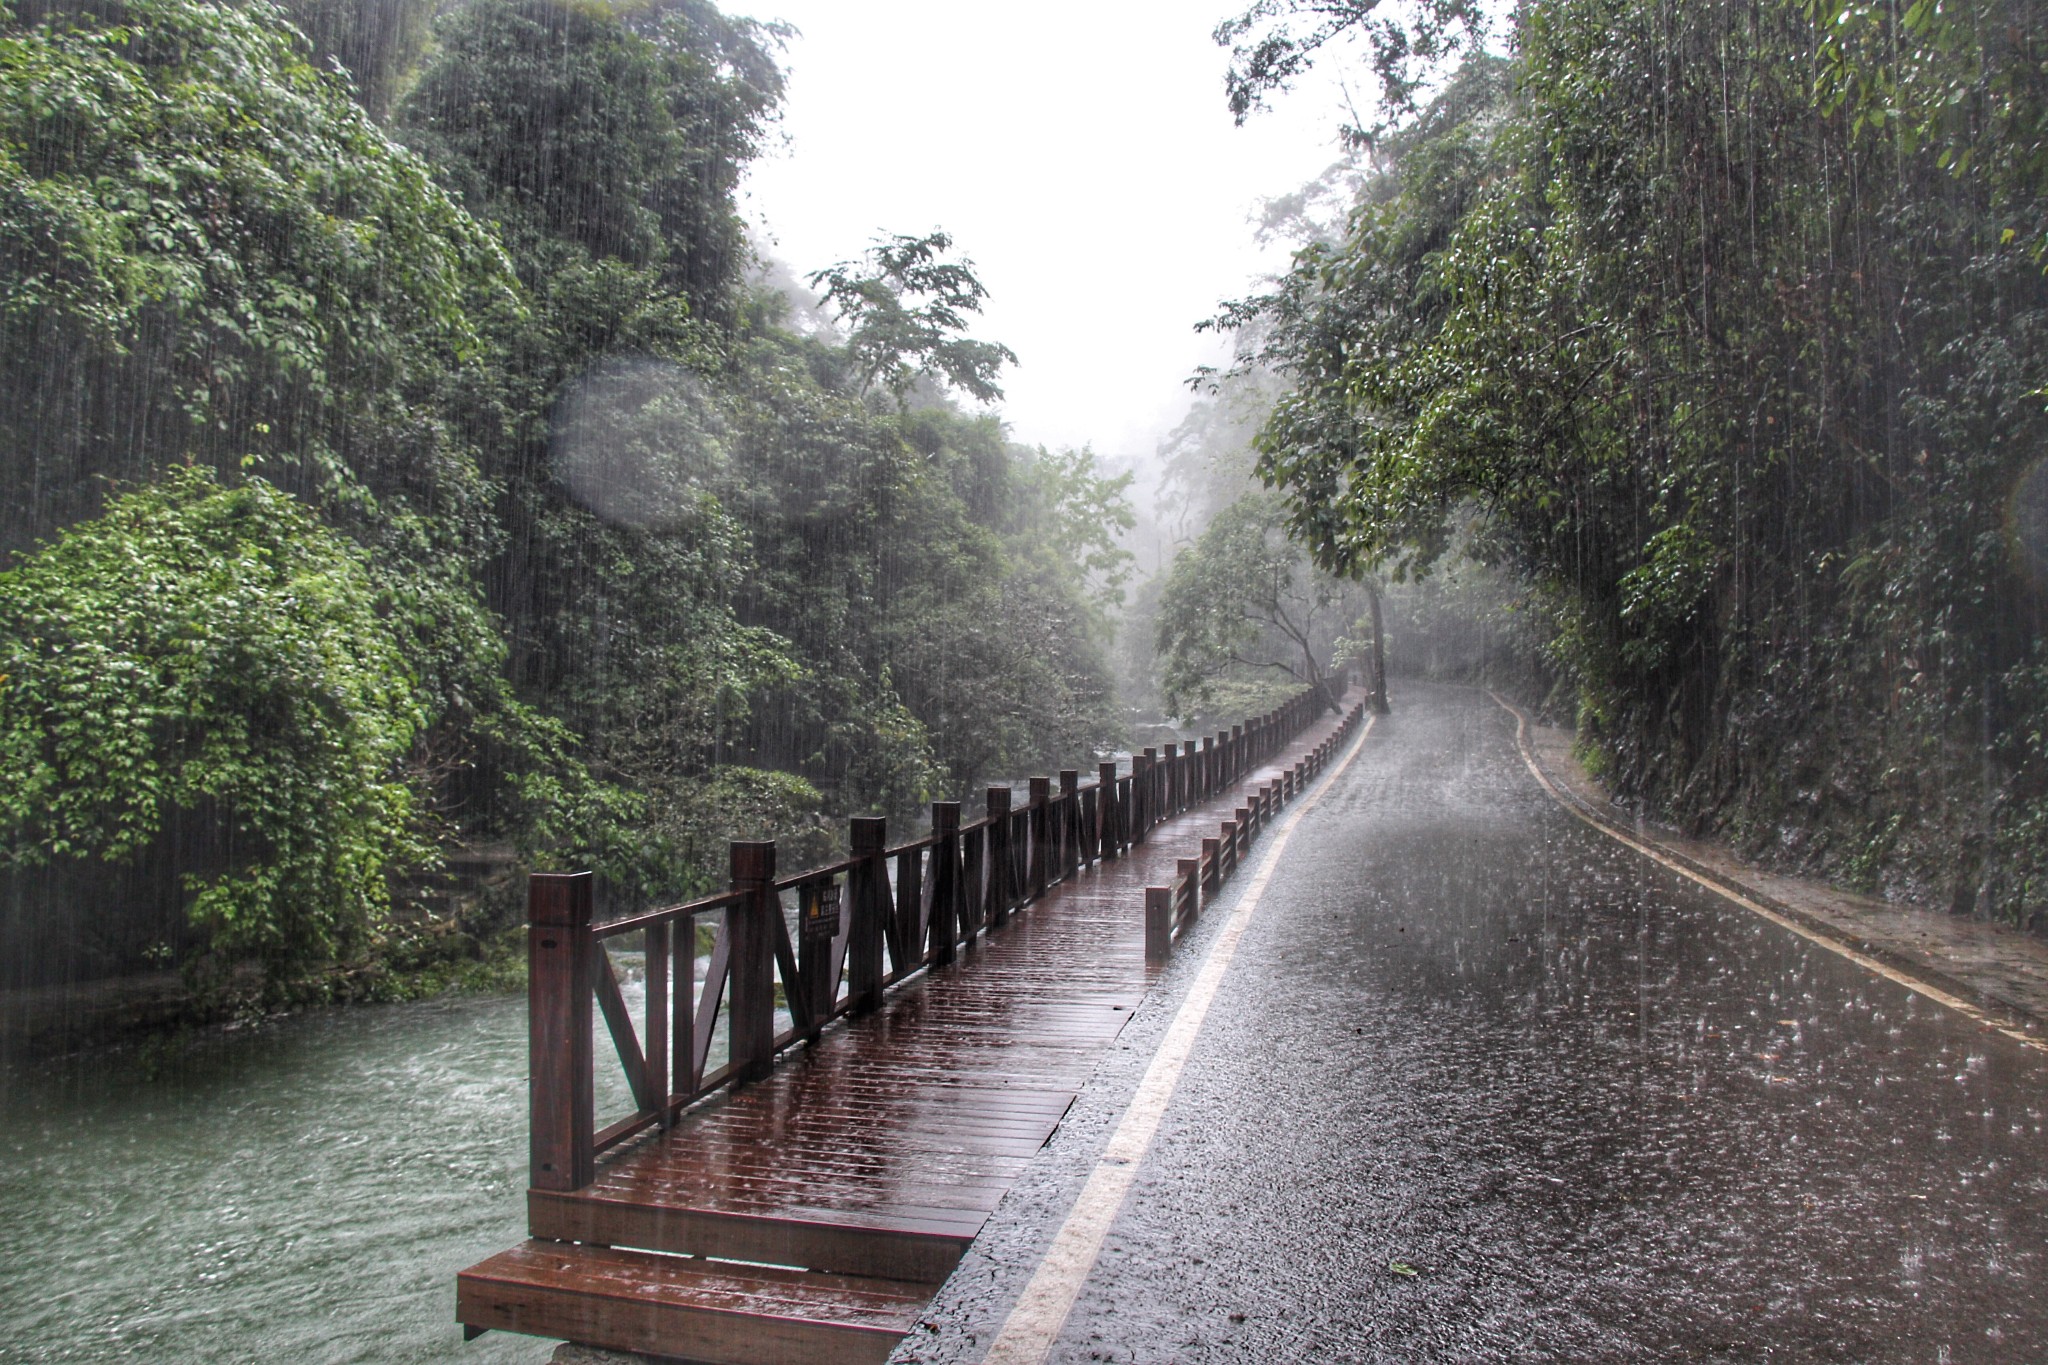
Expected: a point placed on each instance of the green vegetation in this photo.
(218, 658)
(411, 458)
(1723, 332)
(1243, 600)
(406, 456)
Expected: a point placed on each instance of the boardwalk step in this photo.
(922, 1251)
(711, 1311)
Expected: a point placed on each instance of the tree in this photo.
(211, 254)
(375, 41)
(205, 677)
(638, 552)
(1242, 600)
(1275, 42)
(1963, 82)
(1071, 519)
(607, 141)
(621, 129)
(904, 309)
(1738, 392)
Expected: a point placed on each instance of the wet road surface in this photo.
(1481, 1084)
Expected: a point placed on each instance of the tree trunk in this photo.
(1378, 700)
(1316, 681)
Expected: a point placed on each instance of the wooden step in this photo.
(716, 1312)
(920, 1249)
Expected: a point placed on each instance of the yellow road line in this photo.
(1034, 1324)
(1833, 945)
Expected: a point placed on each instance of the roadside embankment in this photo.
(2003, 970)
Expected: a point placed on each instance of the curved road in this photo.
(1482, 1084)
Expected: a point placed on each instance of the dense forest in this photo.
(408, 450)
(1716, 334)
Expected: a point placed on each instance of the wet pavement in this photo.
(1482, 1084)
(1995, 969)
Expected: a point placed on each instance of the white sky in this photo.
(1079, 153)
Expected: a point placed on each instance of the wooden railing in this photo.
(1170, 909)
(775, 959)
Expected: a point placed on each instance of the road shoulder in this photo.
(2004, 970)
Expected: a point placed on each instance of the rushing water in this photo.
(296, 1193)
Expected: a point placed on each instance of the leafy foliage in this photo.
(1273, 43)
(200, 656)
(375, 41)
(209, 253)
(896, 342)
(1962, 82)
(1243, 598)
(1739, 389)
(619, 129)
(591, 553)
(939, 585)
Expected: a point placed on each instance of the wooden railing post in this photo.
(682, 1021)
(1209, 782)
(655, 945)
(906, 929)
(1040, 863)
(1237, 763)
(973, 880)
(946, 893)
(816, 958)
(1158, 922)
(867, 885)
(1155, 787)
(1020, 855)
(1191, 768)
(751, 1018)
(1105, 812)
(1089, 825)
(1001, 895)
(1139, 817)
(561, 1088)
(1069, 840)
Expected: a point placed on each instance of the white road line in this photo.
(1833, 945)
(1034, 1324)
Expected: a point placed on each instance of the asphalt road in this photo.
(1481, 1084)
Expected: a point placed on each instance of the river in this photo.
(297, 1192)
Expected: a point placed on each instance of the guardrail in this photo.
(1197, 881)
(775, 959)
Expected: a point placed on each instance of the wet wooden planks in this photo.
(857, 1173)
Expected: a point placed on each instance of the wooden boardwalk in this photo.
(809, 1215)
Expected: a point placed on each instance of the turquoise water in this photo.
(293, 1193)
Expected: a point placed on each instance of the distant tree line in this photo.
(401, 449)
